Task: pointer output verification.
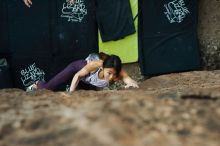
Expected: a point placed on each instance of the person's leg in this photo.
(63, 76)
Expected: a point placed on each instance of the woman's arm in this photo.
(90, 67)
(75, 80)
(127, 80)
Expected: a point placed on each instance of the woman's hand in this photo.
(28, 3)
(127, 80)
(130, 83)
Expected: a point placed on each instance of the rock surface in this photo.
(181, 109)
(169, 110)
(209, 33)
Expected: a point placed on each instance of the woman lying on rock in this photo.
(96, 70)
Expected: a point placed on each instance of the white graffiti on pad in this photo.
(31, 74)
(176, 11)
(74, 12)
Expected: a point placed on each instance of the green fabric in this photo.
(126, 48)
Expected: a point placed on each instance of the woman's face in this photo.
(109, 74)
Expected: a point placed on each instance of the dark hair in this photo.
(113, 61)
(103, 56)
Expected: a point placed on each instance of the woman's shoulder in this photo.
(95, 63)
(92, 57)
(93, 66)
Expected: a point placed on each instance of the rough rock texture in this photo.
(209, 32)
(170, 110)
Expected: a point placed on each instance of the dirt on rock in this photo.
(170, 110)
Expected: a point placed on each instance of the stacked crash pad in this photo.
(168, 36)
